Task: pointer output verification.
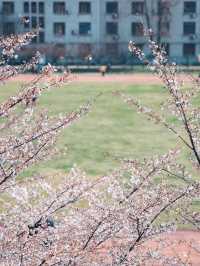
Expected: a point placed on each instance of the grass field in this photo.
(112, 129)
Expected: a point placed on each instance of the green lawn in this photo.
(112, 129)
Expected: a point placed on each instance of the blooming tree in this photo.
(106, 221)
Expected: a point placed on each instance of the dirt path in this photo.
(134, 78)
(131, 78)
(183, 246)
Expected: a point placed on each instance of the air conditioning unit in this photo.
(66, 12)
(115, 37)
(192, 37)
(115, 15)
(192, 15)
(73, 32)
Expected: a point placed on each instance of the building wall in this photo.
(98, 42)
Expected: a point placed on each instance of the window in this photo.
(137, 8)
(189, 28)
(112, 28)
(189, 7)
(33, 7)
(41, 7)
(26, 7)
(84, 8)
(8, 8)
(41, 22)
(189, 49)
(84, 28)
(34, 22)
(8, 28)
(59, 28)
(137, 29)
(41, 38)
(112, 7)
(59, 8)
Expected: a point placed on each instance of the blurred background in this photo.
(97, 32)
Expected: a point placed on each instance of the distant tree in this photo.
(157, 17)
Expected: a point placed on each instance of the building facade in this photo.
(103, 28)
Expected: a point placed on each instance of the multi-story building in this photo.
(103, 28)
